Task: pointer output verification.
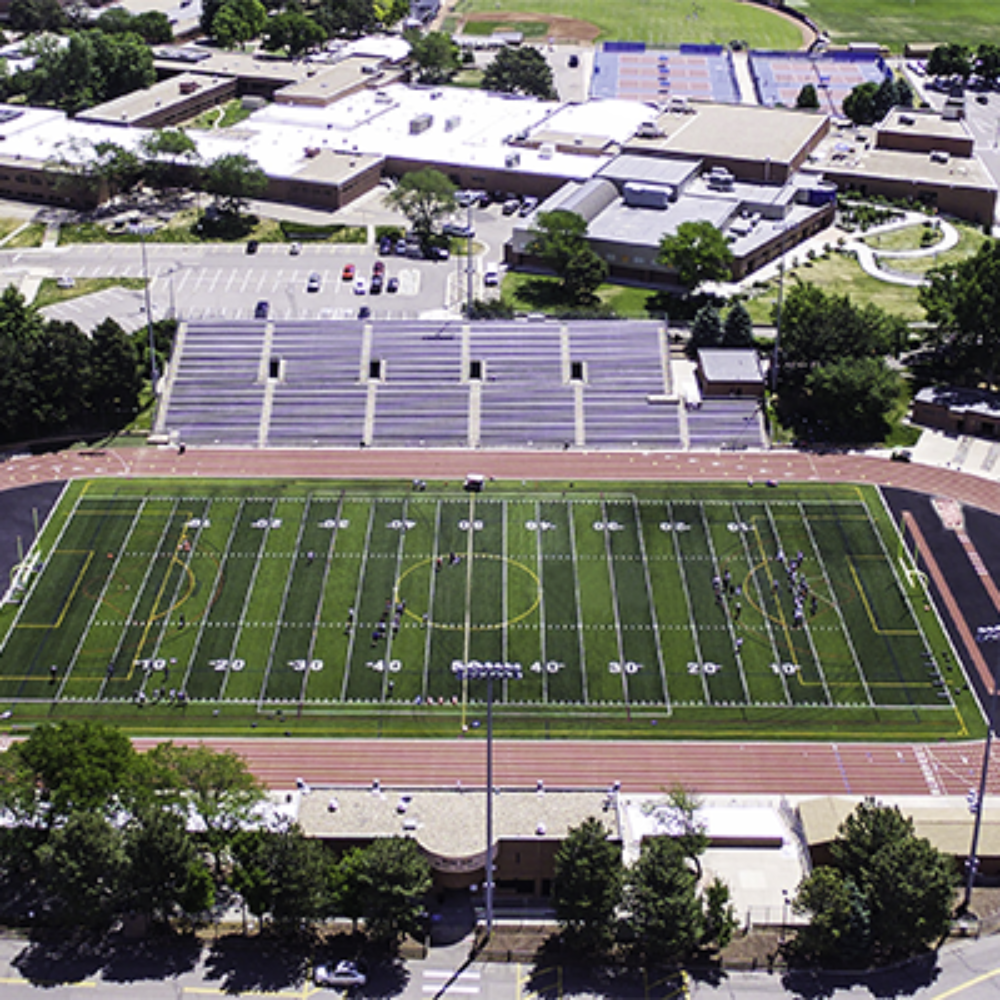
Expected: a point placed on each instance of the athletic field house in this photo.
(615, 609)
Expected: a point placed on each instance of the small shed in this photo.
(958, 411)
(732, 371)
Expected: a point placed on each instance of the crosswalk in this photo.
(448, 982)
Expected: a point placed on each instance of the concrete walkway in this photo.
(869, 258)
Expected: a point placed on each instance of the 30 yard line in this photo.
(652, 602)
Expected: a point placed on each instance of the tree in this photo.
(587, 888)
(238, 21)
(560, 242)
(950, 60)
(859, 104)
(119, 168)
(666, 917)
(437, 56)
(520, 71)
(77, 766)
(29, 16)
(698, 252)
(153, 26)
(706, 328)
(233, 179)
(390, 12)
(962, 300)
(988, 63)
(167, 154)
(115, 379)
(808, 99)
(386, 883)
(425, 197)
(164, 874)
(293, 31)
(81, 867)
(887, 894)
(738, 328)
(850, 399)
(348, 18)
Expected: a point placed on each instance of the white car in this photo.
(359, 286)
(65, 282)
(342, 974)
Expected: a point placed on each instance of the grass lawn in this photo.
(895, 22)
(28, 238)
(178, 230)
(634, 611)
(910, 238)
(49, 293)
(664, 22)
(530, 29)
(229, 114)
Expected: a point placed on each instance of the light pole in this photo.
(984, 634)
(505, 672)
(141, 230)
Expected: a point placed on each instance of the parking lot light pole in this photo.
(490, 672)
(984, 634)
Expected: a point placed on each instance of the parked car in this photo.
(385, 245)
(343, 974)
(313, 285)
(392, 285)
(348, 273)
(364, 312)
(252, 246)
(510, 206)
(456, 229)
(295, 249)
(65, 281)
(378, 267)
(376, 284)
(262, 310)
(401, 247)
(360, 286)
(528, 206)
(574, 61)
(491, 277)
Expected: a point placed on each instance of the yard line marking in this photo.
(97, 604)
(278, 625)
(141, 591)
(216, 586)
(609, 557)
(579, 609)
(390, 632)
(652, 603)
(543, 635)
(692, 624)
(504, 596)
(366, 548)
(317, 617)
(470, 533)
(264, 535)
(729, 622)
(435, 555)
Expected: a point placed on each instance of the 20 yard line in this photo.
(579, 608)
(216, 584)
(362, 569)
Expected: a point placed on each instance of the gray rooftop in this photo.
(631, 167)
(720, 364)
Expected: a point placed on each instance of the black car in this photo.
(364, 312)
(262, 311)
(252, 246)
(574, 61)
(392, 285)
(385, 245)
(375, 286)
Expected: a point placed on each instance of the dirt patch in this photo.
(561, 28)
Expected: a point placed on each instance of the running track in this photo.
(773, 768)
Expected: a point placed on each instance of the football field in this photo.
(351, 609)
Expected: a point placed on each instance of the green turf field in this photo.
(663, 22)
(896, 22)
(633, 610)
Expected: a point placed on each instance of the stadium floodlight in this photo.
(474, 670)
(984, 634)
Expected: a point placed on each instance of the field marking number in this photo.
(548, 667)
(785, 668)
(707, 668)
(738, 526)
(199, 522)
(301, 665)
(608, 526)
(333, 522)
(465, 525)
(156, 664)
(402, 525)
(267, 522)
(628, 667)
(380, 666)
(674, 526)
(222, 665)
(539, 525)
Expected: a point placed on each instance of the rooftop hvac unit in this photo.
(512, 160)
(547, 151)
(939, 156)
(421, 123)
(452, 123)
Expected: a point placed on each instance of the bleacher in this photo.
(494, 384)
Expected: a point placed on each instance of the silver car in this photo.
(343, 974)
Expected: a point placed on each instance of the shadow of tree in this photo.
(263, 963)
(161, 955)
(895, 981)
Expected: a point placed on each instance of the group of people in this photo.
(396, 609)
(798, 587)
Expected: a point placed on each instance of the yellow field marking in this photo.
(76, 586)
(871, 615)
(955, 990)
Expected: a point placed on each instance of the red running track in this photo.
(773, 768)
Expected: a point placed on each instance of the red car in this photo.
(348, 273)
(379, 267)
